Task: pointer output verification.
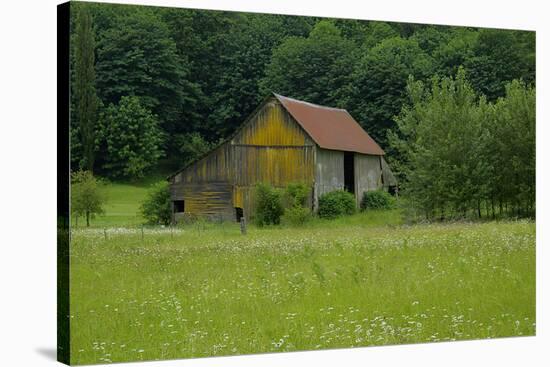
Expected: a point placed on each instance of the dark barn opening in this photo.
(393, 190)
(349, 172)
(179, 206)
(239, 214)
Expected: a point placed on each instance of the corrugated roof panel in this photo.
(331, 128)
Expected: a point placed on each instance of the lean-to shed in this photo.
(283, 141)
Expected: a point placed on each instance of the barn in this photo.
(283, 141)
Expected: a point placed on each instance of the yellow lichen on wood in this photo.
(273, 126)
(214, 167)
(276, 166)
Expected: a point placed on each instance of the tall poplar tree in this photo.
(85, 91)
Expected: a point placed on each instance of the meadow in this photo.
(122, 202)
(206, 290)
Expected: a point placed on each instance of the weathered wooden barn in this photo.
(283, 141)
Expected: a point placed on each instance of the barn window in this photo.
(239, 214)
(179, 206)
(349, 172)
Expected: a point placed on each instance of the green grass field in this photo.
(123, 200)
(206, 290)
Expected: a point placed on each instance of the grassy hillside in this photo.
(207, 290)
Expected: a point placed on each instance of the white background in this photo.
(28, 181)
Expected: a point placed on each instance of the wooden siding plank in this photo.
(368, 174)
(216, 166)
(206, 199)
(278, 166)
(272, 126)
(329, 171)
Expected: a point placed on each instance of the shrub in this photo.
(156, 208)
(296, 216)
(295, 200)
(336, 203)
(378, 199)
(269, 206)
(296, 195)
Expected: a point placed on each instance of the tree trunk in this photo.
(478, 209)
(87, 219)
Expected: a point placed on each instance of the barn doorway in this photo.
(349, 172)
(179, 206)
(239, 214)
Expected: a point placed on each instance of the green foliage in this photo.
(458, 48)
(511, 150)
(377, 85)
(461, 153)
(156, 208)
(269, 207)
(295, 201)
(201, 73)
(296, 216)
(429, 38)
(86, 111)
(377, 199)
(191, 146)
(87, 199)
(136, 56)
(204, 72)
(296, 194)
(313, 68)
(499, 57)
(132, 138)
(443, 144)
(336, 203)
(376, 32)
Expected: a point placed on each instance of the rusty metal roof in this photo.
(331, 128)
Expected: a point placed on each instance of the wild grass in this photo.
(122, 204)
(207, 290)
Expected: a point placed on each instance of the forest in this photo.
(453, 107)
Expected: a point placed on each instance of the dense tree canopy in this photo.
(461, 153)
(313, 68)
(198, 75)
(131, 137)
(498, 57)
(137, 57)
(377, 85)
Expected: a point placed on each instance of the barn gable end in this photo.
(204, 188)
(271, 147)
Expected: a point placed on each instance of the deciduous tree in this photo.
(132, 138)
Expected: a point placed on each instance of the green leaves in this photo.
(499, 57)
(137, 56)
(86, 100)
(132, 138)
(87, 199)
(459, 151)
(313, 68)
(269, 207)
(336, 203)
(156, 208)
(378, 83)
(204, 72)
